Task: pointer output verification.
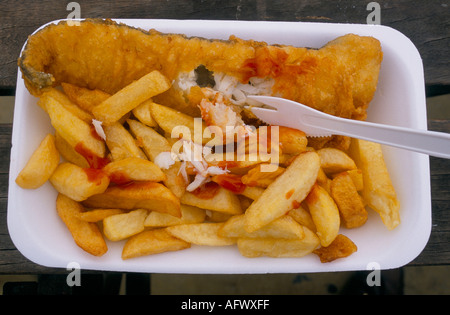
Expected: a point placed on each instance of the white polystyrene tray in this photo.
(41, 236)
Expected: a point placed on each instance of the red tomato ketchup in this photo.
(207, 191)
(93, 160)
(231, 182)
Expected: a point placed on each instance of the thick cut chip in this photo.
(351, 207)
(69, 153)
(121, 226)
(325, 214)
(189, 214)
(40, 166)
(131, 96)
(222, 201)
(201, 234)
(133, 169)
(62, 98)
(292, 141)
(96, 215)
(302, 216)
(85, 234)
(77, 132)
(357, 178)
(293, 185)
(252, 192)
(83, 97)
(275, 247)
(152, 242)
(333, 160)
(323, 180)
(341, 247)
(378, 191)
(144, 115)
(283, 227)
(153, 145)
(79, 183)
(171, 120)
(214, 216)
(138, 195)
(121, 143)
(174, 179)
(257, 177)
(149, 139)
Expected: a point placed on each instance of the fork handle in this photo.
(429, 142)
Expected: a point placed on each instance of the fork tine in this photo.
(266, 115)
(266, 101)
(287, 113)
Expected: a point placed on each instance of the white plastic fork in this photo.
(318, 124)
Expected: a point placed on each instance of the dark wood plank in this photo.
(426, 23)
(437, 251)
(11, 260)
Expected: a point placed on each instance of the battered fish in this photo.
(339, 78)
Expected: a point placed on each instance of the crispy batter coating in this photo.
(339, 78)
(341, 247)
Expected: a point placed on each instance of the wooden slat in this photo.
(426, 23)
(437, 251)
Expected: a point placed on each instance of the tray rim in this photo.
(423, 160)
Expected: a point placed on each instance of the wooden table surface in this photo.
(426, 23)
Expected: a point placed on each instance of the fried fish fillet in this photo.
(339, 78)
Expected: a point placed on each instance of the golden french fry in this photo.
(292, 141)
(131, 96)
(275, 247)
(321, 177)
(284, 227)
(293, 185)
(222, 201)
(69, 153)
(137, 195)
(121, 226)
(378, 191)
(323, 180)
(256, 177)
(85, 234)
(234, 165)
(325, 214)
(121, 143)
(149, 139)
(189, 215)
(78, 183)
(152, 242)
(144, 115)
(67, 103)
(168, 119)
(85, 98)
(349, 202)
(75, 131)
(40, 166)
(174, 180)
(302, 216)
(133, 169)
(341, 247)
(333, 160)
(201, 234)
(252, 192)
(357, 178)
(154, 144)
(214, 216)
(96, 215)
